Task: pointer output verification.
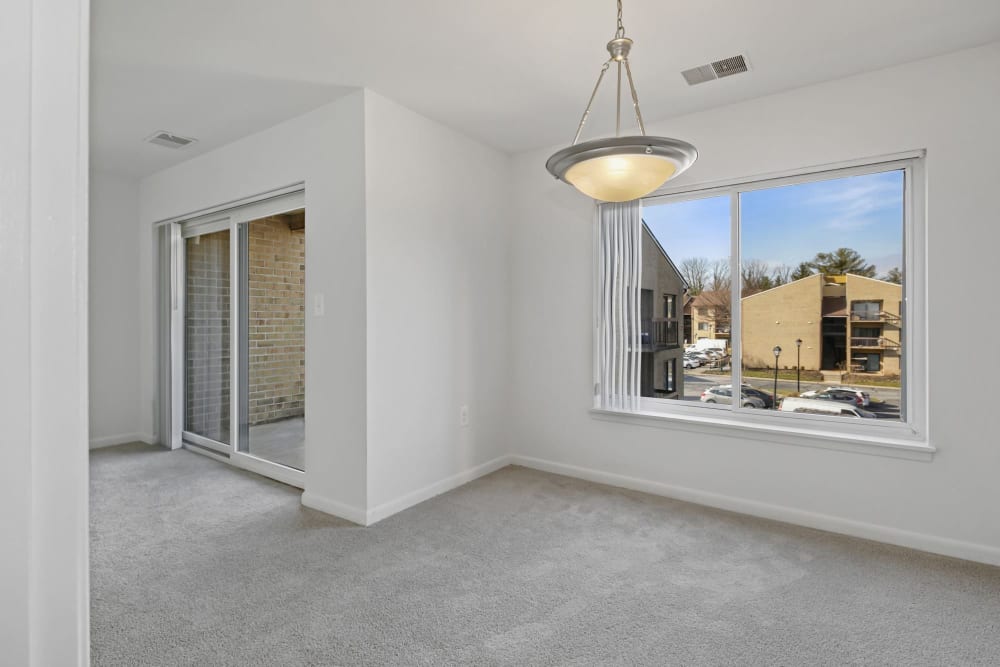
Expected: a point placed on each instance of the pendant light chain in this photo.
(635, 100)
(586, 112)
(620, 58)
(618, 103)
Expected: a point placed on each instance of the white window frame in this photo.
(904, 439)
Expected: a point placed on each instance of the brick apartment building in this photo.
(846, 322)
(707, 315)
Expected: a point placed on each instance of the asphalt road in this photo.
(884, 403)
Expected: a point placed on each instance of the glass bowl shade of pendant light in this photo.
(618, 168)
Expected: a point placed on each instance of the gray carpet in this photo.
(197, 563)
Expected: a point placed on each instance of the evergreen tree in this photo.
(840, 261)
(894, 275)
(803, 270)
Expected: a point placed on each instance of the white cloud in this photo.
(856, 206)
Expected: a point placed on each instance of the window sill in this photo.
(733, 427)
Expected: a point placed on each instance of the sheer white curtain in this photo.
(619, 248)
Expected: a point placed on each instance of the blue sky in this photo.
(790, 224)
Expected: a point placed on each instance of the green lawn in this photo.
(871, 380)
(807, 376)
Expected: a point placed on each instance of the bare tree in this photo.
(756, 276)
(718, 276)
(695, 273)
(781, 274)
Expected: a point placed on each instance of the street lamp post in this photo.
(798, 366)
(777, 353)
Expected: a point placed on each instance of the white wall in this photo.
(43, 387)
(951, 504)
(115, 294)
(325, 150)
(406, 237)
(437, 283)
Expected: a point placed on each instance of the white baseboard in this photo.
(387, 509)
(121, 439)
(938, 545)
(334, 507)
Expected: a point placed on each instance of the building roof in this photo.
(854, 276)
(710, 298)
(663, 252)
(798, 282)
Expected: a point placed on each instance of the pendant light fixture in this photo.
(620, 168)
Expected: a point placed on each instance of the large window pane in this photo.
(822, 276)
(686, 333)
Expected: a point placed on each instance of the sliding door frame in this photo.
(236, 220)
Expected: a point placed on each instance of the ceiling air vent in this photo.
(730, 66)
(716, 70)
(169, 140)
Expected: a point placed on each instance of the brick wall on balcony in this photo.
(276, 345)
(206, 336)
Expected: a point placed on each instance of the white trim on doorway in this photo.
(244, 203)
(275, 471)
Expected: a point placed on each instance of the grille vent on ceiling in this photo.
(716, 70)
(730, 66)
(169, 140)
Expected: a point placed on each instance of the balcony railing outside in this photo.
(872, 316)
(660, 333)
(880, 343)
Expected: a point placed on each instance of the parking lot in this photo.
(885, 401)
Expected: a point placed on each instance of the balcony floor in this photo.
(281, 442)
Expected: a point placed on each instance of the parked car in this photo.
(860, 398)
(767, 398)
(864, 394)
(691, 362)
(816, 406)
(724, 394)
(750, 390)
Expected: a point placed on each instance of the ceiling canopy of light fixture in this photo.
(620, 168)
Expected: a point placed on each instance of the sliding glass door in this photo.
(237, 332)
(272, 338)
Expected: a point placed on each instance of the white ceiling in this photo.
(512, 73)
